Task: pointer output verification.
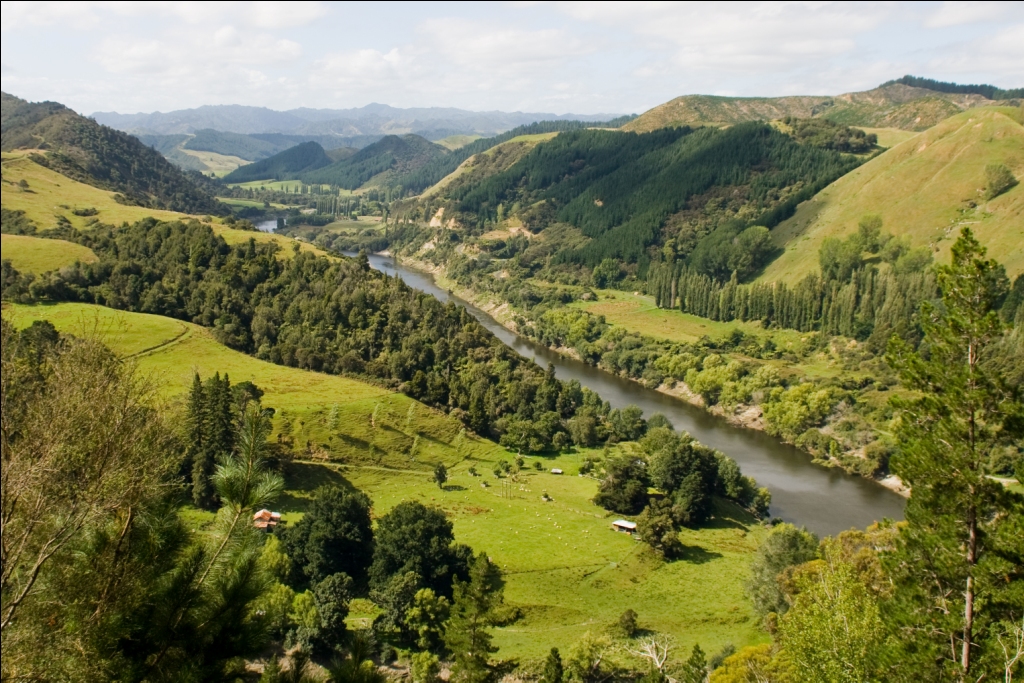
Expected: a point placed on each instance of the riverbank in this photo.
(745, 416)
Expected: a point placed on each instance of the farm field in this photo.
(924, 188)
(232, 201)
(34, 255)
(565, 568)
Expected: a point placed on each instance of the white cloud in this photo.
(88, 15)
(959, 13)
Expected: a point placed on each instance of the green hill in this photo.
(393, 156)
(629, 192)
(893, 105)
(84, 150)
(285, 165)
(924, 189)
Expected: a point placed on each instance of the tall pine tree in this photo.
(472, 614)
(958, 564)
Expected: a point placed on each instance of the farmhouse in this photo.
(624, 526)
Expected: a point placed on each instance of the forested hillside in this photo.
(106, 158)
(620, 189)
(393, 155)
(285, 165)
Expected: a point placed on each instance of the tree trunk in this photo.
(972, 545)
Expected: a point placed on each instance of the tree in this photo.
(472, 614)
(440, 475)
(628, 623)
(426, 617)
(832, 632)
(786, 546)
(415, 538)
(331, 597)
(624, 487)
(656, 526)
(425, 668)
(335, 535)
(998, 179)
(957, 562)
(553, 670)
(695, 669)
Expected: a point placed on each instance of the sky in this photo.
(552, 57)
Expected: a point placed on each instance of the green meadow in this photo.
(34, 255)
(566, 570)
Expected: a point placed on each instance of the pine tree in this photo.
(553, 670)
(472, 614)
(958, 565)
(195, 426)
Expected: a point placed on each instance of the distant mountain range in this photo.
(433, 123)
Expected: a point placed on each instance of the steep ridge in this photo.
(890, 106)
(285, 165)
(924, 189)
(84, 150)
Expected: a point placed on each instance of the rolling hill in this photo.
(923, 188)
(285, 165)
(84, 150)
(894, 105)
(382, 162)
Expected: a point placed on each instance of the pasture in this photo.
(565, 569)
(924, 188)
(34, 255)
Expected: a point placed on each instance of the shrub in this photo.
(998, 179)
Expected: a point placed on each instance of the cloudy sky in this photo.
(556, 57)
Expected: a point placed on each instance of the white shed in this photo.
(624, 526)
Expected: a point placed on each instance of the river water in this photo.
(824, 500)
(267, 226)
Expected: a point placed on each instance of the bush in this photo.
(998, 179)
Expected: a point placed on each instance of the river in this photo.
(267, 226)
(824, 500)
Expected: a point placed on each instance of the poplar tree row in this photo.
(873, 300)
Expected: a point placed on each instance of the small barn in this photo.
(624, 526)
(265, 520)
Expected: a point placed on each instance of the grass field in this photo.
(232, 201)
(925, 188)
(565, 568)
(220, 164)
(50, 194)
(35, 255)
(453, 142)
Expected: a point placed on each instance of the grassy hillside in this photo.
(890, 106)
(564, 566)
(50, 198)
(924, 188)
(82, 149)
(35, 255)
(453, 142)
(489, 162)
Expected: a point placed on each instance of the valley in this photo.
(599, 384)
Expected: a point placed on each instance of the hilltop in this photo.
(924, 189)
(894, 105)
(109, 159)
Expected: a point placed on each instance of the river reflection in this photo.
(826, 501)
